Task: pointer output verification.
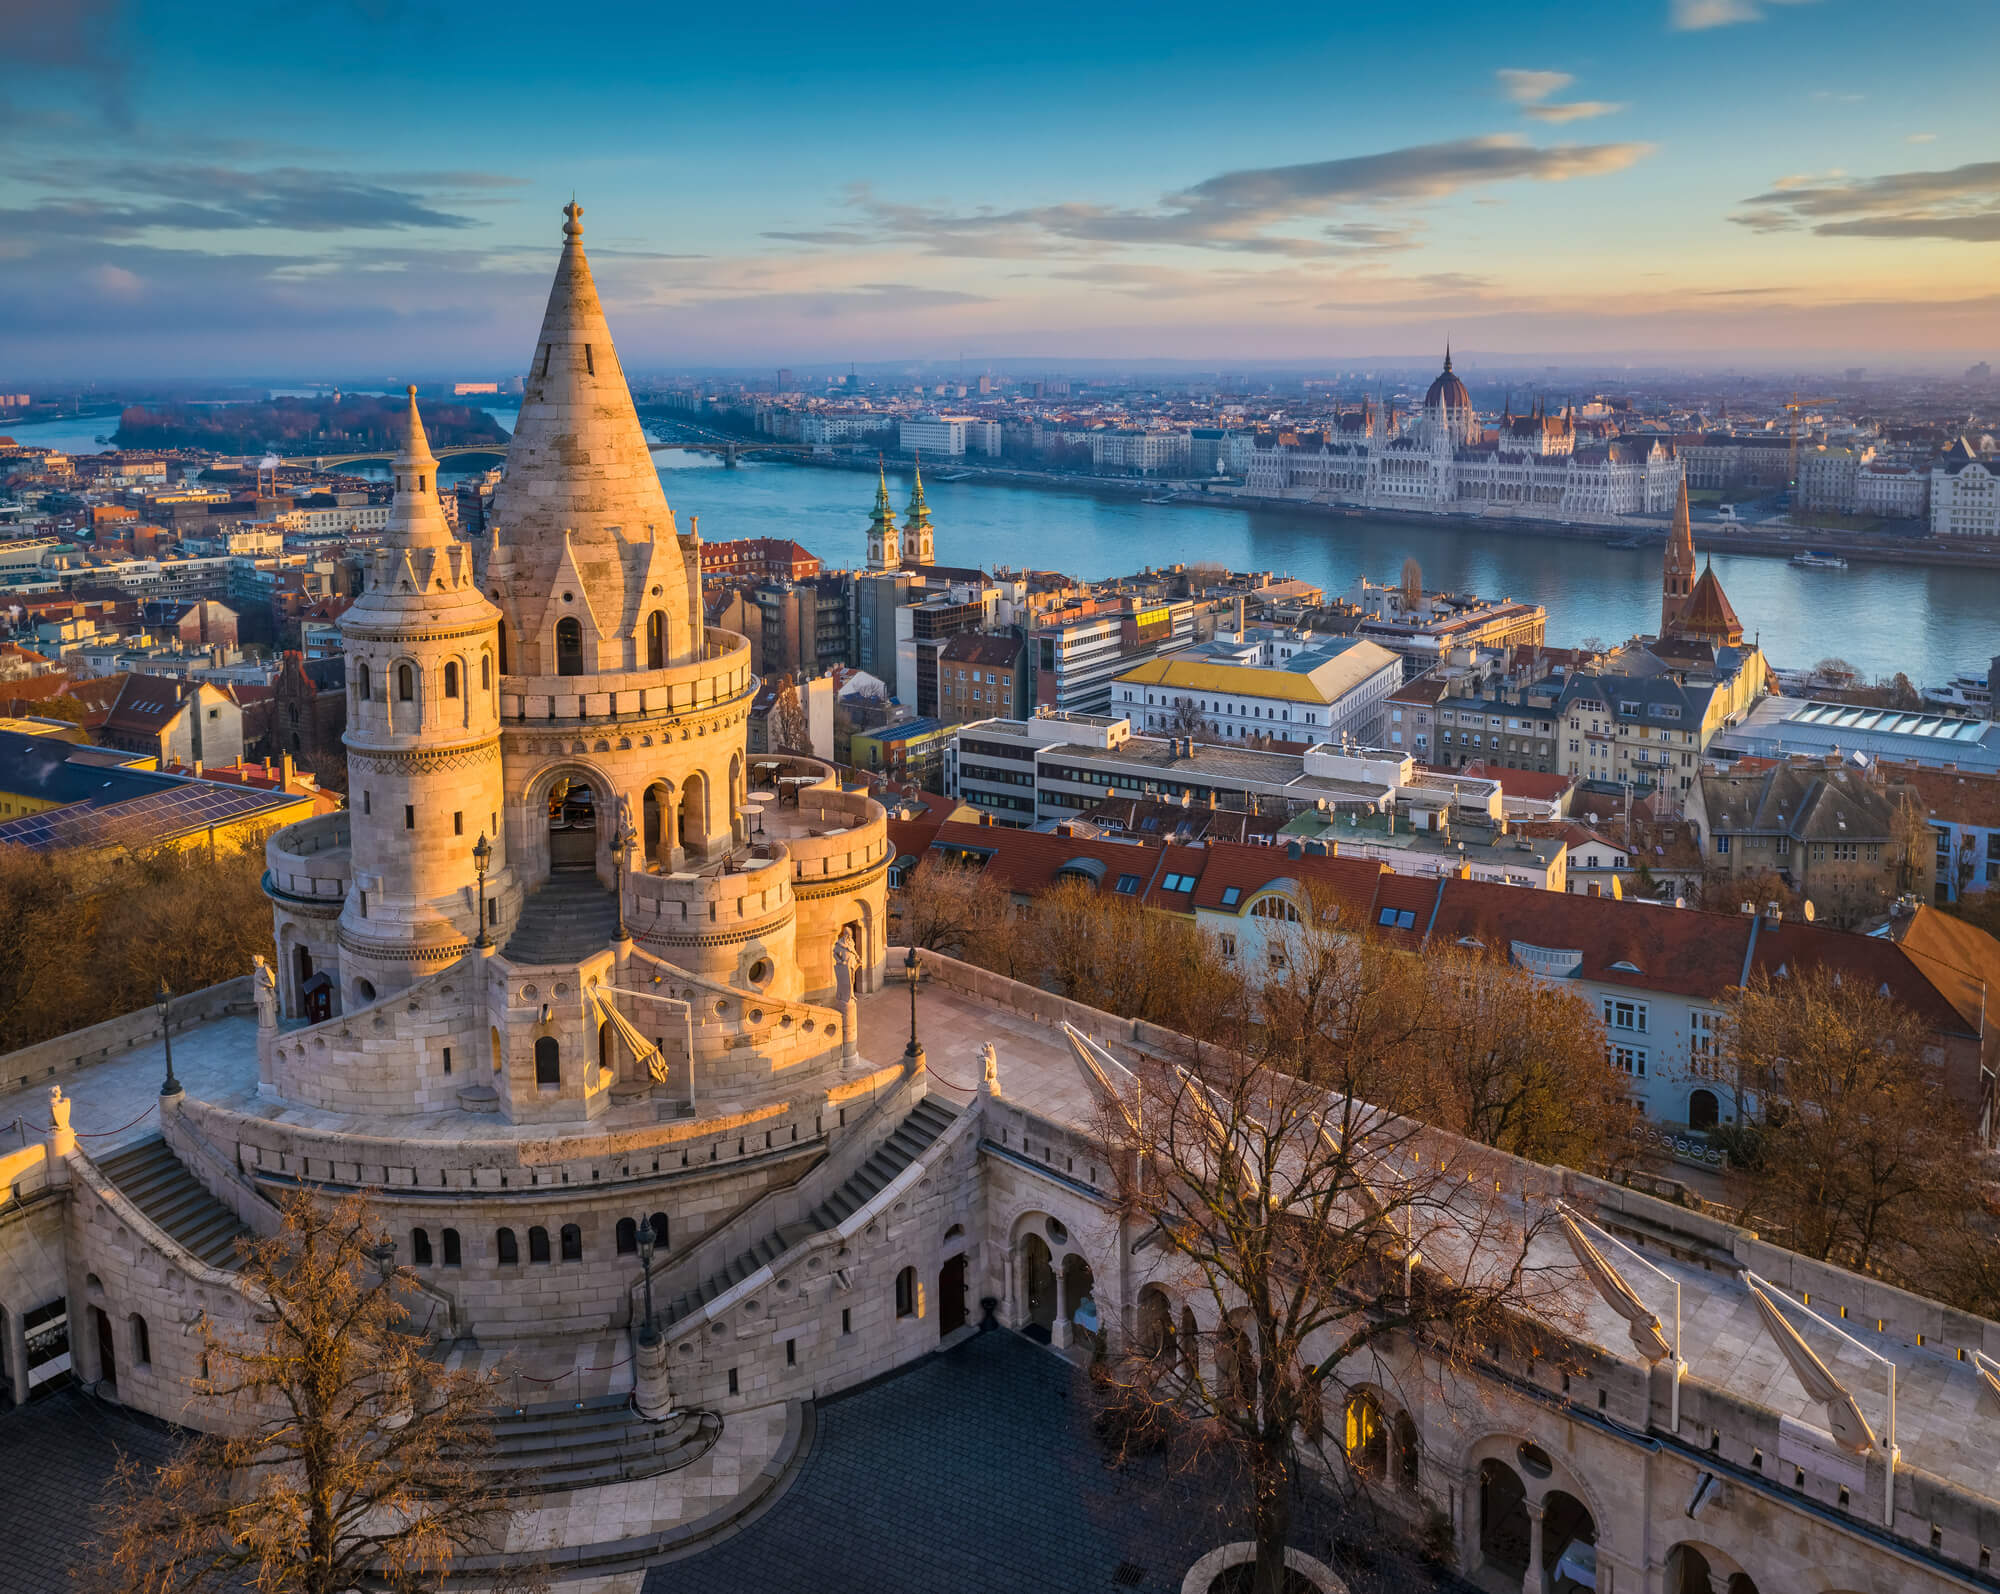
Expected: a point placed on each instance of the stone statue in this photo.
(989, 1070)
(59, 1106)
(846, 964)
(264, 983)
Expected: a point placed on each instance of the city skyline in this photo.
(226, 191)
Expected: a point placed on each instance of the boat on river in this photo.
(1812, 560)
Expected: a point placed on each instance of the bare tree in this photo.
(790, 729)
(1854, 1143)
(950, 908)
(1188, 719)
(357, 1462)
(1315, 1231)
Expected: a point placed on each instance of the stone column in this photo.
(1533, 1582)
(850, 1034)
(1059, 1335)
(652, 1395)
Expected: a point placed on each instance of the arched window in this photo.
(361, 679)
(628, 1236)
(548, 1061)
(500, 640)
(572, 1243)
(451, 1250)
(485, 672)
(451, 678)
(1367, 1440)
(406, 683)
(906, 1293)
(420, 1247)
(538, 1244)
(658, 1224)
(142, 1342)
(569, 647)
(507, 1247)
(656, 640)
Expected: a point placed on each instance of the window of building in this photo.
(1178, 882)
(1127, 884)
(451, 679)
(420, 1247)
(656, 640)
(452, 1255)
(361, 681)
(569, 647)
(1722, 844)
(1629, 1060)
(1845, 851)
(506, 1248)
(658, 1224)
(538, 1244)
(548, 1060)
(1228, 946)
(406, 683)
(1620, 1014)
(572, 1243)
(409, 816)
(142, 1342)
(485, 672)
(906, 1293)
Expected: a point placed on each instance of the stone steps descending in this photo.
(564, 920)
(915, 1135)
(160, 1185)
(591, 1443)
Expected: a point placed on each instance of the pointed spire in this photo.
(1447, 354)
(416, 520)
(919, 512)
(884, 515)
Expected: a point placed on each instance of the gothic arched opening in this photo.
(656, 641)
(1038, 1288)
(1503, 1520)
(694, 813)
(951, 1295)
(572, 824)
(569, 647)
(1704, 1110)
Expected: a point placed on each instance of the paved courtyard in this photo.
(976, 1472)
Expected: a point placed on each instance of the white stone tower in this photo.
(885, 543)
(423, 744)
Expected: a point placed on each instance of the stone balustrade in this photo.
(720, 676)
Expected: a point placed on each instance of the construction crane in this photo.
(1793, 407)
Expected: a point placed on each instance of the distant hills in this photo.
(345, 424)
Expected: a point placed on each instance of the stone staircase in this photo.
(585, 1444)
(567, 919)
(159, 1184)
(914, 1136)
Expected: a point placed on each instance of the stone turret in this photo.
(423, 743)
(885, 544)
(587, 564)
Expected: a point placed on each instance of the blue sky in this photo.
(342, 187)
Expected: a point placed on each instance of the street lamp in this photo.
(384, 1258)
(621, 844)
(164, 999)
(649, 1331)
(482, 855)
(912, 1053)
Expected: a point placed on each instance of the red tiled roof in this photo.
(1531, 785)
(1951, 796)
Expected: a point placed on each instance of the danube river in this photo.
(1932, 623)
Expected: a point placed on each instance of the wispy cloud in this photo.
(1531, 90)
(1693, 15)
(1921, 138)
(1268, 210)
(78, 40)
(1962, 204)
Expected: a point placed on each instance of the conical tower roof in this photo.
(882, 518)
(581, 527)
(416, 519)
(919, 512)
(1709, 614)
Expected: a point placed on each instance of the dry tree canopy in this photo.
(352, 1458)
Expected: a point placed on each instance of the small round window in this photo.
(760, 971)
(1057, 1232)
(1534, 1460)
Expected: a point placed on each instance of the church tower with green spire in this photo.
(917, 543)
(885, 543)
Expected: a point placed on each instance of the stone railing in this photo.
(720, 676)
(754, 889)
(78, 1049)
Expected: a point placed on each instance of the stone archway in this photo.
(1503, 1519)
(1080, 1323)
(951, 1295)
(1702, 1569)
(1037, 1303)
(1704, 1110)
(1157, 1333)
(1569, 1541)
(657, 832)
(693, 822)
(564, 818)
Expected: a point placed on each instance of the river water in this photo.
(1931, 622)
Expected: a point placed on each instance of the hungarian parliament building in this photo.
(1444, 462)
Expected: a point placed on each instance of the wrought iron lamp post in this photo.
(482, 855)
(164, 998)
(384, 1258)
(914, 1052)
(649, 1330)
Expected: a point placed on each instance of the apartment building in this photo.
(1242, 687)
(1965, 493)
(1076, 652)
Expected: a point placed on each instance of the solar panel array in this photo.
(1889, 722)
(141, 821)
